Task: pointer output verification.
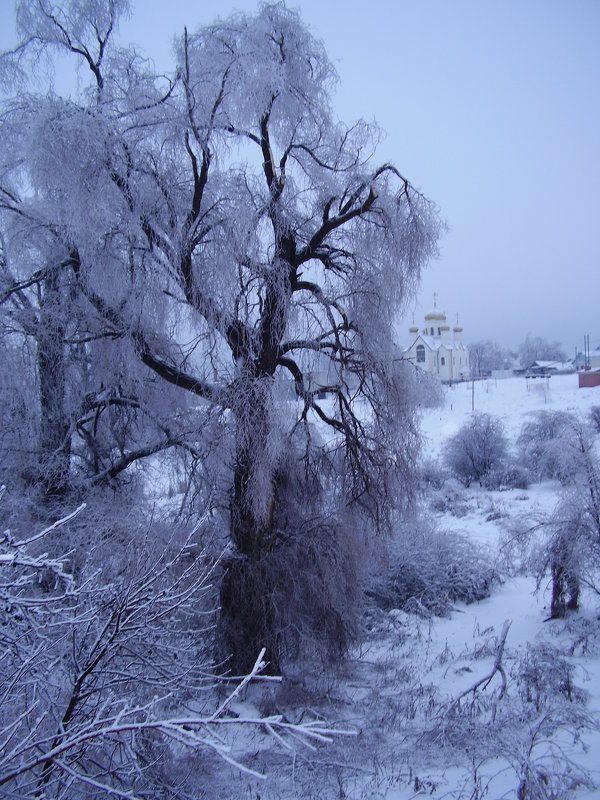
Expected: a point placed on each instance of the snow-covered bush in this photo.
(449, 499)
(508, 474)
(478, 449)
(544, 443)
(513, 721)
(595, 417)
(432, 475)
(431, 569)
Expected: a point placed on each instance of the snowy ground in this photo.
(510, 400)
(399, 692)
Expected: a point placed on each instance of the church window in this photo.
(431, 331)
(439, 331)
(420, 354)
(443, 361)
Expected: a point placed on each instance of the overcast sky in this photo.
(492, 108)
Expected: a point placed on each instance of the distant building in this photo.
(542, 369)
(438, 349)
(589, 361)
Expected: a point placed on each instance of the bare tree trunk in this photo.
(247, 602)
(54, 442)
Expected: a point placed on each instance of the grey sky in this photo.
(492, 108)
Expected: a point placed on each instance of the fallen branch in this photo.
(486, 680)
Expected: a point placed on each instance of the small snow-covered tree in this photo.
(223, 228)
(573, 553)
(548, 445)
(560, 445)
(477, 449)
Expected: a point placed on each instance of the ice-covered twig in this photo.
(258, 667)
(119, 642)
(58, 524)
(193, 732)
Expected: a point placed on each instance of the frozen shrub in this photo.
(595, 418)
(432, 475)
(559, 445)
(574, 547)
(430, 569)
(430, 390)
(542, 442)
(478, 449)
(449, 499)
(508, 475)
(544, 674)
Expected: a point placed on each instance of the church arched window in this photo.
(420, 354)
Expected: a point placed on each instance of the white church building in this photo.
(438, 349)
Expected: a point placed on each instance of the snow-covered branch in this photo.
(91, 667)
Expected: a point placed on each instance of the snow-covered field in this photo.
(420, 731)
(511, 400)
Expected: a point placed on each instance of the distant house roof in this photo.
(547, 367)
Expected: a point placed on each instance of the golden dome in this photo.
(435, 315)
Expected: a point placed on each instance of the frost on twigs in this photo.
(430, 570)
(519, 722)
(106, 687)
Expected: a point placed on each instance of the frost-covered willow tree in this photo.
(221, 227)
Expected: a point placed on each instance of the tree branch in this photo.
(486, 680)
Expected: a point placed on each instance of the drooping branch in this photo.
(327, 302)
(146, 353)
(320, 344)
